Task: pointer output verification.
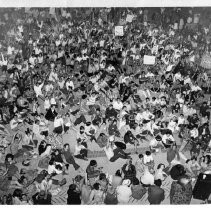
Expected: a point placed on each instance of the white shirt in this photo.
(165, 137)
(148, 159)
(53, 76)
(181, 121)
(70, 83)
(61, 84)
(78, 149)
(117, 105)
(13, 123)
(10, 50)
(52, 169)
(53, 101)
(194, 133)
(58, 122)
(38, 90)
(48, 87)
(146, 115)
(36, 129)
(147, 178)
(123, 193)
(159, 175)
(195, 88)
(109, 152)
(47, 104)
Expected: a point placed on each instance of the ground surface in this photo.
(99, 155)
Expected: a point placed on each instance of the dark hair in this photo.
(9, 156)
(102, 176)
(159, 166)
(118, 173)
(194, 158)
(51, 162)
(158, 182)
(66, 145)
(17, 193)
(21, 179)
(140, 156)
(72, 187)
(96, 186)
(148, 153)
(93, 162)
(135, 181)
(58, 167)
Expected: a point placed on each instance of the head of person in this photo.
(140, 156)
(118, 173)
(93, 163)
(135, 181)
(158, 182)
(66, 146)
(96, 186)
(161, 166)
(82, 129)
(147, 153)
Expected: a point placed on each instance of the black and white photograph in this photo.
(105, 104)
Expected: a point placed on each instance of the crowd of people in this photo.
(65, 72)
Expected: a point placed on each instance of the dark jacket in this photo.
(130, 173)
(155, 194)
(37, 200)
(50, 115)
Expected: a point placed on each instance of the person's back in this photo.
(137, 189)
(155, 193)
(74, 196)
(42, 198)
(124, 192)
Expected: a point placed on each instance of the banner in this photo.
(119, 31)
(149, 60)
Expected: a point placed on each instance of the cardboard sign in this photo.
(149, 60)
(119, 31)
(129, 18)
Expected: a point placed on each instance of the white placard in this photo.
(149, 60)
(52, 11)
(129, 18)
(119, 31)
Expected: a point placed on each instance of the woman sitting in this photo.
(58, 125)
(73, 195)
(80, 150)
(44, 149)
(193, 167)
(92, 170)
(160, 174)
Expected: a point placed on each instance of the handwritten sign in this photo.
(149, 60)
(119, 31)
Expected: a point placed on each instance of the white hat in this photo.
(126, 182)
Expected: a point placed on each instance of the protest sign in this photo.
(206, 61)
(149, 60)
(119, 31)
